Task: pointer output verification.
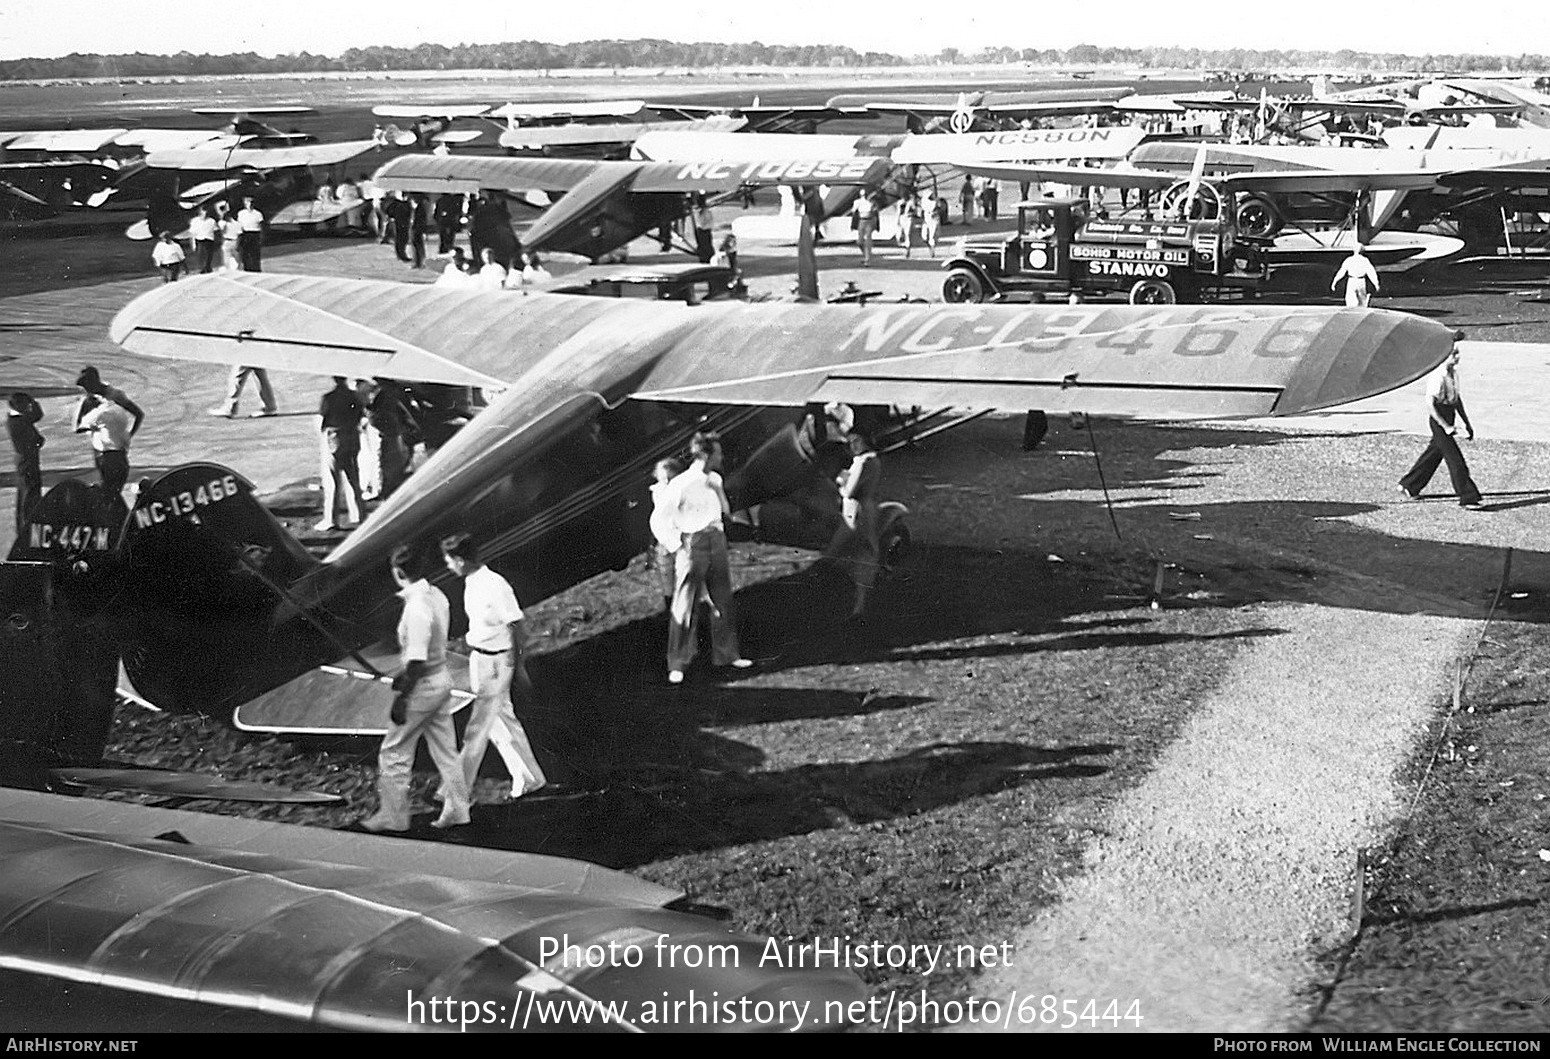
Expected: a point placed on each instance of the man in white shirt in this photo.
(1361, 279)
(699, 505)
(422, 704)
(109, 426)
(496, 639)
(205, 232)
(491, 274)
(169, 257)
(250, 243)
(1444, 405)
(456, 272)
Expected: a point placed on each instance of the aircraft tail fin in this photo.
(57, 649)
(205, 567)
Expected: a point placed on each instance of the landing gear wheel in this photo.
(961, 285)
(1258, 218)
(1152, 292)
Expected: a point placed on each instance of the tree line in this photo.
(617, 54)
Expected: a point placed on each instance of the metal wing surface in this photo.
(1018, 145)
(262, 159)
(465, 174)
(342, 945)
(1135, 361)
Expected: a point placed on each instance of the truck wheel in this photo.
(961, 285)
(1152, 292)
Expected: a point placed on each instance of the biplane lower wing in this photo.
(346, 931)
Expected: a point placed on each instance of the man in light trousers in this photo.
(422, 704)
(496, 639)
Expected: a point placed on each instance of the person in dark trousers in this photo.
(399, 210)
(339, 428)
(390, 420)
(204, 230)
(449, 219)
(22, 424)
(704, 221)
(1445, 408)
(250, 244)
(419, 224)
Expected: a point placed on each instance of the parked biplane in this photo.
(1313, 203)
(279, 179)
(986, 111)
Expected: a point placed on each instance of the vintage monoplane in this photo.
(603, 205)
(213, 607)
(590, 392)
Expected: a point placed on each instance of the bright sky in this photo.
(57, 27)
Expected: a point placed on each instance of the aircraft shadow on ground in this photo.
(660, 769)
(693, 798)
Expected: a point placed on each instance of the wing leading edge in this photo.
(1134, 361)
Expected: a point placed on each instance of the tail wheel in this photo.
(1258, 217)
(894, 548)
(961, 285)
(1152, 292)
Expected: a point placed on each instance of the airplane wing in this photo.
(347, 931)
(155, 140)
(238, 112)
(261, 160)
(602, 108)
(1535, 174)
(61, 141)
(449, 112)
(771, 118)
(535, 138)
(1018, 145)
(469, 174)
(1133, 361)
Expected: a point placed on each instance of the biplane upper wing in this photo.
(260, 160)
(336, 930)
(1144, 362)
